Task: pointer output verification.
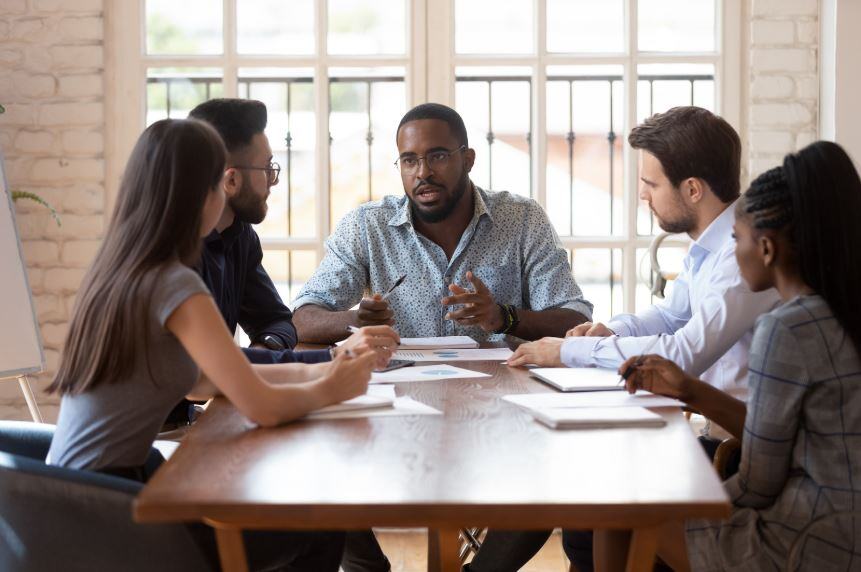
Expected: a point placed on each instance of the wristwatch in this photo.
(509, 319)
(272, 342)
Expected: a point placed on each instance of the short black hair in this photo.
(693, 142)
(440, 112)
(236, 120)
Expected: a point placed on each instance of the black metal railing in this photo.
(245, 86)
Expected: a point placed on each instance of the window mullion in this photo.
(629, 255)
(230, 81)
(538, 131)
(321, 97)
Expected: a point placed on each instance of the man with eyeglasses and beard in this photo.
(476, 262)
(231, 266)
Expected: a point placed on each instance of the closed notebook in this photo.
(579, 378)
(361, 402)
(597, 417)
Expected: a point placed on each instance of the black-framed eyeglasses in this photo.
(272, 171)
(435, 160)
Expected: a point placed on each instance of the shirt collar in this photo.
(228, 235)
(719, 231)
(404, 214)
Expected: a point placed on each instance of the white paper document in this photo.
(357, 403)
(591, 399)
(424, 373)
(401, 406)
(597, 417)
(441, 342)
(485, 354)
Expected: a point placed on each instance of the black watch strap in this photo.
(271, 342)
(509, 319)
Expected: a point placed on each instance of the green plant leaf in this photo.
(37, 199)
(2, 109)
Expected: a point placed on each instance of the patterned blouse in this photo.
(800, 449)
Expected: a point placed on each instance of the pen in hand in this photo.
(397, 283)
(630, 369)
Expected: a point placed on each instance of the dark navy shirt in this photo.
(232, 268)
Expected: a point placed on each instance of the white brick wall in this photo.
(52, 136)
(782, 110)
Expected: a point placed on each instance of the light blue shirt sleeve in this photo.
(726, 310)
(342, 278)
(547, 275)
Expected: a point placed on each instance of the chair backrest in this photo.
(52, 518)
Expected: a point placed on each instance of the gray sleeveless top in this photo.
(114, 424)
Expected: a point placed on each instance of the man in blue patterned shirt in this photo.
(476, 262)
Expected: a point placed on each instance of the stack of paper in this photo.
(424, 373)
(441, 342)
(598, 417)
(556, 400)
(398, 406)
(355, 404)
(484, 354)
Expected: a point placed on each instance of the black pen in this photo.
(630, 369)
(397, 283)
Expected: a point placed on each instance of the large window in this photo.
(549, 90)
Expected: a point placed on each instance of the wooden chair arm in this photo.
(724, 451)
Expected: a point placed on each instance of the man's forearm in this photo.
(554, 322)
(317, 325)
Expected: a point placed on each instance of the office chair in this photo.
(54, 518)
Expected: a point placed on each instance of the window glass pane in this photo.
(670, 257)
(662, 86)
(365, 111)
(187, 27)
(584, 150)
(598, 272)
(676, 25)
(367, 27)
(291, 129)
(275, 27)
(289, 270)
(495, 104)
(173, 92)
(494, 27)
(585, 26)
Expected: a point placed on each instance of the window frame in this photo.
(428, 77)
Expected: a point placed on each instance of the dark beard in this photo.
(685, 222)
(247, 207)
(447, 208)
(682, 225)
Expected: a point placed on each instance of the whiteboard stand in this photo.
(24, 383)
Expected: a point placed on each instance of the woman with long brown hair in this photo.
(145, 333)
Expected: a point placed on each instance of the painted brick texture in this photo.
(52, 138)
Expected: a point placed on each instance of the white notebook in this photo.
(597, 417)
(579, 378)
(442, 342)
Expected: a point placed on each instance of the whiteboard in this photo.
(20, 341)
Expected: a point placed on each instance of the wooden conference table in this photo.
(484, 462)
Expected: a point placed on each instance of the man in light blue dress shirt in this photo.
(689, 175)
(705, 323)
(476, 262)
